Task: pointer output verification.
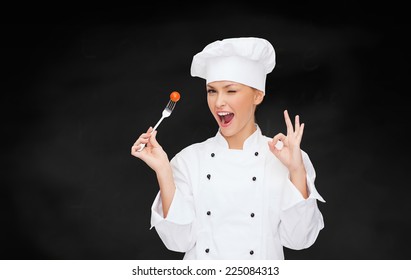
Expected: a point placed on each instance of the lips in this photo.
(225, 118)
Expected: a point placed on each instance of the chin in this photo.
(228, 131)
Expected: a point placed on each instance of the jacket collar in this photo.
(250, 143)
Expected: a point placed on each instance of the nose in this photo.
(220, 100)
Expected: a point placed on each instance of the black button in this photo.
(252, 215)
(251, 252)
(208, 176)
(208, 213)
(254, 178)
(256, 153)
(212, 154)
(207, 250)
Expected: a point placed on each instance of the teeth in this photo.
(223, 113)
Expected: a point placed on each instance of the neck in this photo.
(236, 142)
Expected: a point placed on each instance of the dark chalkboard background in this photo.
(79, 87)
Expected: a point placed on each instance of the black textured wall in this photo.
(79, 89)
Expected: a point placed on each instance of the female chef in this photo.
(239, 194)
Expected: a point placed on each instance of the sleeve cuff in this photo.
(293, 196)
(181, 210)
(313, 193)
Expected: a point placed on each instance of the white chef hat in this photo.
(245, 60)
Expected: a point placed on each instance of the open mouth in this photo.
(225, 118)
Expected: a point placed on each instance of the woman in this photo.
(239, 194)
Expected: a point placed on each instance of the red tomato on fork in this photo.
(175, 96)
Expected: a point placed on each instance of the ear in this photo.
(258, 97)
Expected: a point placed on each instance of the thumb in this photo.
(271, 145)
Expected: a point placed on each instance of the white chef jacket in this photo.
(236, 204)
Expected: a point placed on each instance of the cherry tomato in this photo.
(175, 96)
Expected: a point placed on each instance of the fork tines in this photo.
(171, 104)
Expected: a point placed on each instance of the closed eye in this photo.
(231, 91)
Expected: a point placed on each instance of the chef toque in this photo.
(245, 60)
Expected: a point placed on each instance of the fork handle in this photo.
(158, 123)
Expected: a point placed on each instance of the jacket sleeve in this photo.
(300, 220)
(176, 230)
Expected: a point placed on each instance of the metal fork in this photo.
(165, 114)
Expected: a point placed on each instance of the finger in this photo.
(135, 150)
(273, 148)
(153, 140)
(146, 135)
(301, 132)
(278, 137)
(288, 123)
(141, 140)
(141, 146)
(297, 123)
(279, 141)
(276, 146)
